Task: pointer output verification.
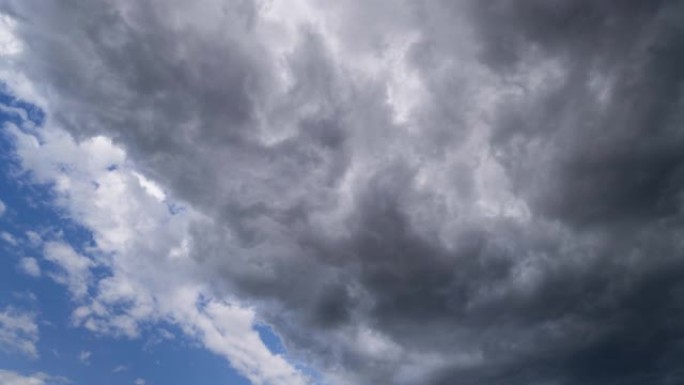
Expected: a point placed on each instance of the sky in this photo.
(270, 192)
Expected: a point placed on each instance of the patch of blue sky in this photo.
(161, 355)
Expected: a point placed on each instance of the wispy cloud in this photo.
(18, 332)
(9, 238)
(73, 269)
(8, 377)
(84, 357)
(119, 369)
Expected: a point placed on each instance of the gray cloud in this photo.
(521, 225)
(609, 123)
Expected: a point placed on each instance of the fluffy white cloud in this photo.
(29, 266)
(19, 332)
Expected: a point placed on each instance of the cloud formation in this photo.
(18, 332)
(8, 377)
(29, 266)
(84, 356)
(137, 270)
(408, 192)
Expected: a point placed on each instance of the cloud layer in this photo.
(408, 192)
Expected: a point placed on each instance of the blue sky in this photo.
(161, 354)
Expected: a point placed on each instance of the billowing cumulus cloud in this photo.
(407, 192)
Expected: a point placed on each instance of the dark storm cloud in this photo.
(363, 239)
(614, 159)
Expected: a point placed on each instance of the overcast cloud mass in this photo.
(408, 192)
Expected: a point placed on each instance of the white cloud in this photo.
(9, 238)
(13, 378)
(19, 332)
(165, 334)
(119, 369)
(74, 269)
(34, 238)
(3, 208)
(29, 266)
(227, 330)
(9, 44)
(150, 187)
(139, 381)
(84, 357)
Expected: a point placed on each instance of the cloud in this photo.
(407, 192)
(128, 222)
(29, 266)
(18, 332)
(227, 330)
(74, 268)
(139, 381)
(9, 44)
(3, 208)
(84, 357)
(34, 238)
(8, 377)
(9, 238)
